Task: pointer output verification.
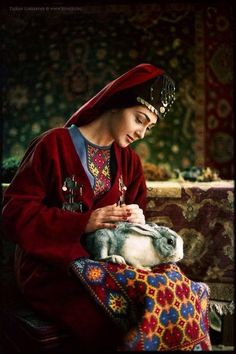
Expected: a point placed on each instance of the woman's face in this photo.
(130, 124)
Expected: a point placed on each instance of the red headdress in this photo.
(128, 82)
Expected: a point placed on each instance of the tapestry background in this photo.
(54, 59)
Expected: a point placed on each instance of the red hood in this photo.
(133, 77)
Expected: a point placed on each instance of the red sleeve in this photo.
(49, 233)
(134, 180)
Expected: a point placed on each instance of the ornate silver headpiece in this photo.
(160, 97)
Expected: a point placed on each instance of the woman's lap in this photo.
(68, 302)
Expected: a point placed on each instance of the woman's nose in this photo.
(141, 133)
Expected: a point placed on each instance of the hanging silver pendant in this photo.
(122, 189)
(74, 193)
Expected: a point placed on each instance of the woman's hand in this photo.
(106, 217)
(135, 213)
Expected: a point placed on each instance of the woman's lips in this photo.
(130, 138)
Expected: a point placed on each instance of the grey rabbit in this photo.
(142, 246)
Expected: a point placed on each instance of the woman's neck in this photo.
(97, 132)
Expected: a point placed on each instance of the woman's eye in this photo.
(139, 120)
(150, 128)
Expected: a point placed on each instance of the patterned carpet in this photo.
(46, 78)
(214, 348)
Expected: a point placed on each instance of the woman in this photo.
(74, 180)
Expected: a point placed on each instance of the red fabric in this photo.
(131, 78)
(50, 237)
(61, 297)
(35, 197)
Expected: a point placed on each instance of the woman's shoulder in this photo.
(51, 135)
(46, 140)
(54, 132)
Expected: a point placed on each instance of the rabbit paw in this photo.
(115, 259)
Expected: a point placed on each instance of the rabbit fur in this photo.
(142, 246)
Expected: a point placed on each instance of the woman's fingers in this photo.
(135, 213)
(107, 216)
(111, 213)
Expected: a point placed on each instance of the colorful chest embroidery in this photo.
(99, 167)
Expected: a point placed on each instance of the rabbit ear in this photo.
(145, 229)
(165, 231)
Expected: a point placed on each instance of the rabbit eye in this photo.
(170, 241)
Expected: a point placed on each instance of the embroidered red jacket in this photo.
(32, 213)
(49, 235)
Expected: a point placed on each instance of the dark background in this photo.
(56, 56)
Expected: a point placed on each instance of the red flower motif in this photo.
(149, 324)
(192, 330)
(165, 296)
(182, 291)
(172, 338)
(141, 287)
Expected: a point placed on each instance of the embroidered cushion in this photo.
(158, 310)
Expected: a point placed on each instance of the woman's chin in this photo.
(123, 144)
